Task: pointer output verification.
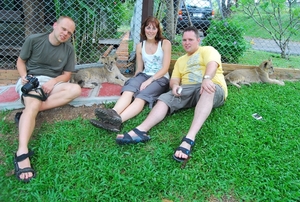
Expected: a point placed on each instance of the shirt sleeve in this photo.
(26, 49)
(70, 66)
(176, 73)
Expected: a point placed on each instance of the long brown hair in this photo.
(152, 20)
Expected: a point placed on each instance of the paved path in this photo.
(107, 92)
(270, 45)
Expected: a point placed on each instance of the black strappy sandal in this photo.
(142, 136)
(184, 150)
(19, 171)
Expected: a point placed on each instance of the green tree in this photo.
(280, 18)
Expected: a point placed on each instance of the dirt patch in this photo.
(66, 112)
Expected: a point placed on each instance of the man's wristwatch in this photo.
(207, 77)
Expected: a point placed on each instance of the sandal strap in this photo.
(25, 170)
(188, 140)
(142, 134)
(126, 136)
(23, 156)
(184, 150)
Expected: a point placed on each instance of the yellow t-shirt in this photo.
(191, 69)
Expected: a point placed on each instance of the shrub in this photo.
(231, 46)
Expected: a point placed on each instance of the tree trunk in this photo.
(226, 8)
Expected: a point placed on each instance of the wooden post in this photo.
(147, 9)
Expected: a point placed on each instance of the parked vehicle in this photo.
(197, 13)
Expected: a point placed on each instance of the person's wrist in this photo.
(207, 77)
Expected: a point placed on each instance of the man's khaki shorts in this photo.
(190, 96)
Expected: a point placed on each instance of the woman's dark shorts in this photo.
(189, 97)
(149, 94)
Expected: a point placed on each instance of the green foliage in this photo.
(227, 38)
(235, 156)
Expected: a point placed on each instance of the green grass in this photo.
(253, 57)
(235, 155)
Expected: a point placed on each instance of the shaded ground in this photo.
(66, 112)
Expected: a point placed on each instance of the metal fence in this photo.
(101, 24)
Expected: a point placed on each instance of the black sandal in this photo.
(142, 136)
(19, 171)
(184, 150)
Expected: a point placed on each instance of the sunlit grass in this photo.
(235, 156)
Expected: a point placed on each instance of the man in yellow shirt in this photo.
(197, 81)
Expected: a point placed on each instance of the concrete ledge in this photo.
(9, 77)
(76, 103)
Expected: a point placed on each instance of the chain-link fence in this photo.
(230, 26)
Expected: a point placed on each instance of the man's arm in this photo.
(174, 85)
(207, 84)
(21, 67)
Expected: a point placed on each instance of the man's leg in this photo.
(26, 127)
(202, 111)
(156, 115)
(61, 94)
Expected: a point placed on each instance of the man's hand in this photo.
(175, 89)
(208, 86)
(24, 80)
(48, 86)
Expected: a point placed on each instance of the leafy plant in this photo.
(231, 46)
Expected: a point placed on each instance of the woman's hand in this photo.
(146, 83)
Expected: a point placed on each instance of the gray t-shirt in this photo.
(42, 58)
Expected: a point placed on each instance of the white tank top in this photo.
(153, 63)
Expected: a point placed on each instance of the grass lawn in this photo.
(235, 157)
